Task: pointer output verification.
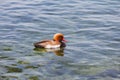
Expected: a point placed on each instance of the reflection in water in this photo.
(57, 51)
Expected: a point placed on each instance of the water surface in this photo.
(92, 28)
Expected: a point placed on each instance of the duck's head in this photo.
(59, 37)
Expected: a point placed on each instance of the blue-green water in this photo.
(92, 28)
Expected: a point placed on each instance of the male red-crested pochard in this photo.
(57, 42)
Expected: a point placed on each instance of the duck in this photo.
(58, 41)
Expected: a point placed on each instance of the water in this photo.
(92, 28)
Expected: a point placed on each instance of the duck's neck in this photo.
(57, 40)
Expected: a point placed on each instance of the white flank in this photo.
(52, 46)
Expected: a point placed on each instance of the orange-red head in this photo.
(59, 37)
